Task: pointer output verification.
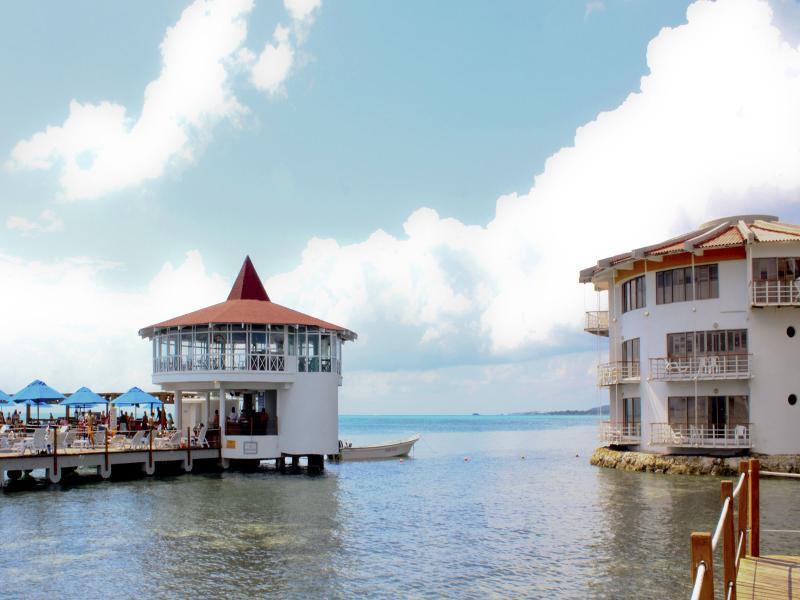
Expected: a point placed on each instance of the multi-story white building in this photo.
(268, 375)
(704, 340)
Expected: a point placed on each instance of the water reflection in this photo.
(524, 516)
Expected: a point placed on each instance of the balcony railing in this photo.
(597, 322)
(222, 361)
(613, 432)
(701, 436)
(707, 367)
(775, 292)
(617, 372)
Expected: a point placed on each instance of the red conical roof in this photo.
(248, 284)
(248, 302)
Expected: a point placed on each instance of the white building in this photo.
(267, 374)
(704, 340)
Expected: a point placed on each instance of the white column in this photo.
(179, 410)
(207, 409)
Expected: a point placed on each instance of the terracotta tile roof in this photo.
(249, 303)
(721, 233)
(729, 237)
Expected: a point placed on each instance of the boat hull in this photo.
(379, 451)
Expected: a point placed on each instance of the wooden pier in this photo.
(103, 458)
(745, 573)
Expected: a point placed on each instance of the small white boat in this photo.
(376, 451)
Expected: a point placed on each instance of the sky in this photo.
(430, 175)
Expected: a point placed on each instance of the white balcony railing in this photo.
(701, 436)
(613, 432)
(597, 322)
(236, 361)
(220, 361)
(708, 367)
(618, 372)
(775, 292)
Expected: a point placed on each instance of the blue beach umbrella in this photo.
(136, 396)
(82, 398)
(5, 398)
(37, 392)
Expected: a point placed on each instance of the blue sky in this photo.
(386, 110)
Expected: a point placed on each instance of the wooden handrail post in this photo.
(701, 552)
(755, 513)
(150, 438)
(106, 450)
(55, 450)
(189, 445)
(744, 503)
(728, 542)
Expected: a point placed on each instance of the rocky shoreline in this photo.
(626, 460)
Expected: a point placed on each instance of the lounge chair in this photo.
(136, 442)
(200, 438)
(36, 443)
(173, 441)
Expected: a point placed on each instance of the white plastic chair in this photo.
(200, 438)
(36, 443)
(173, 441)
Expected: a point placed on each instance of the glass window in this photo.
(276, 342)
(630, 350)
(632, 412)
(633, 294)
(313, 352)
(676, 285)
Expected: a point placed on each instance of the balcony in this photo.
(597, 322)
(701, 436)
(701, 368)
(619, 433)
(618, 372)
(775, 292)
(245, 363)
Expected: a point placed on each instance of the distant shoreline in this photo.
(597, 410)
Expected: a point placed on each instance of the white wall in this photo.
(308, 413)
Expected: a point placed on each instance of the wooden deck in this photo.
(768, 578)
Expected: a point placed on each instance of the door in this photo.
(718, 415)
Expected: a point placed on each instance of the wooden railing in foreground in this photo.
(737, 542)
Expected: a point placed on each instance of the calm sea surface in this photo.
(435, 525)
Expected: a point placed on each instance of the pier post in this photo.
(55, 452)
(106, 451)
(755, 513)
(744, 503)
(188, 466)
(701, 553)
(728, 542)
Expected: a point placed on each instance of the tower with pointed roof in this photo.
(703, 345)
(265, 378)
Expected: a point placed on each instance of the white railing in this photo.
(597, 322)
(775, 292)
(236, 361)
(689, 368)
(617, 372)
(613, 432)
(220, 361)
(701, 436)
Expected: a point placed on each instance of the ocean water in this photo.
(524, 516)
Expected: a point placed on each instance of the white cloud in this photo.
(714, 129)
(301, 10)
(592, 7)
(274, 63)
(100, 148)
(278, 57)
(48, 222)
(65, 325)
